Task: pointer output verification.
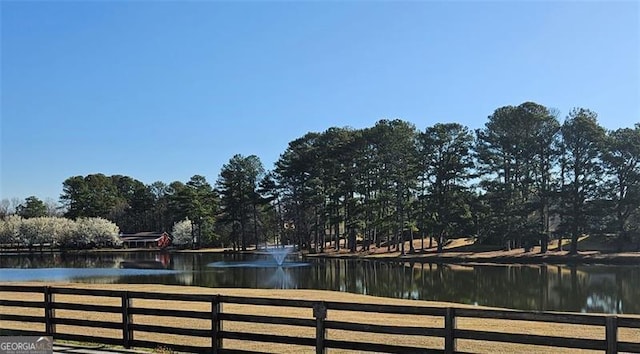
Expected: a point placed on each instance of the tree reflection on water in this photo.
(577, 288)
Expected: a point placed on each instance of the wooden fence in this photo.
(215, 334)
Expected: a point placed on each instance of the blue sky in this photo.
(166, 90)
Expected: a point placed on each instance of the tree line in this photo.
(521, 180)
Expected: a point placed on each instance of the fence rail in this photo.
(215, 334)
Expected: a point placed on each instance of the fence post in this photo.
(450, 330)
(216, 324)
(611, 334)
(320, 313)
(49, 312)
(127, 319)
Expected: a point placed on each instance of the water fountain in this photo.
(277, 258)
(279, 254)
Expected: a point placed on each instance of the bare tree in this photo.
(4, 207)
(53, 207)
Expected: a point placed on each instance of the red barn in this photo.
(146, 240)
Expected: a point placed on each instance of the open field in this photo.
(503, 326)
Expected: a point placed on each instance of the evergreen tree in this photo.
(582, 143)
(622, 162)
(446, 156)
(32, 208)
(238, 188)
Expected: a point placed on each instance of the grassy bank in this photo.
(464, 250)
(503, 326)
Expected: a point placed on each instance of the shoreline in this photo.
(505, 257)
(460, 252)
(464, 251)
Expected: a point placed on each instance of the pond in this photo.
(576, 288)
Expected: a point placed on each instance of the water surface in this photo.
(578, 288)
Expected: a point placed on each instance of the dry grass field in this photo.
(503, 326)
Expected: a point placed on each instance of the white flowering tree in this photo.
(64, 231)
(104, 233)
(15, 230)
(182, 233)
(95, 231)
(10, 230)
(36, 231)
